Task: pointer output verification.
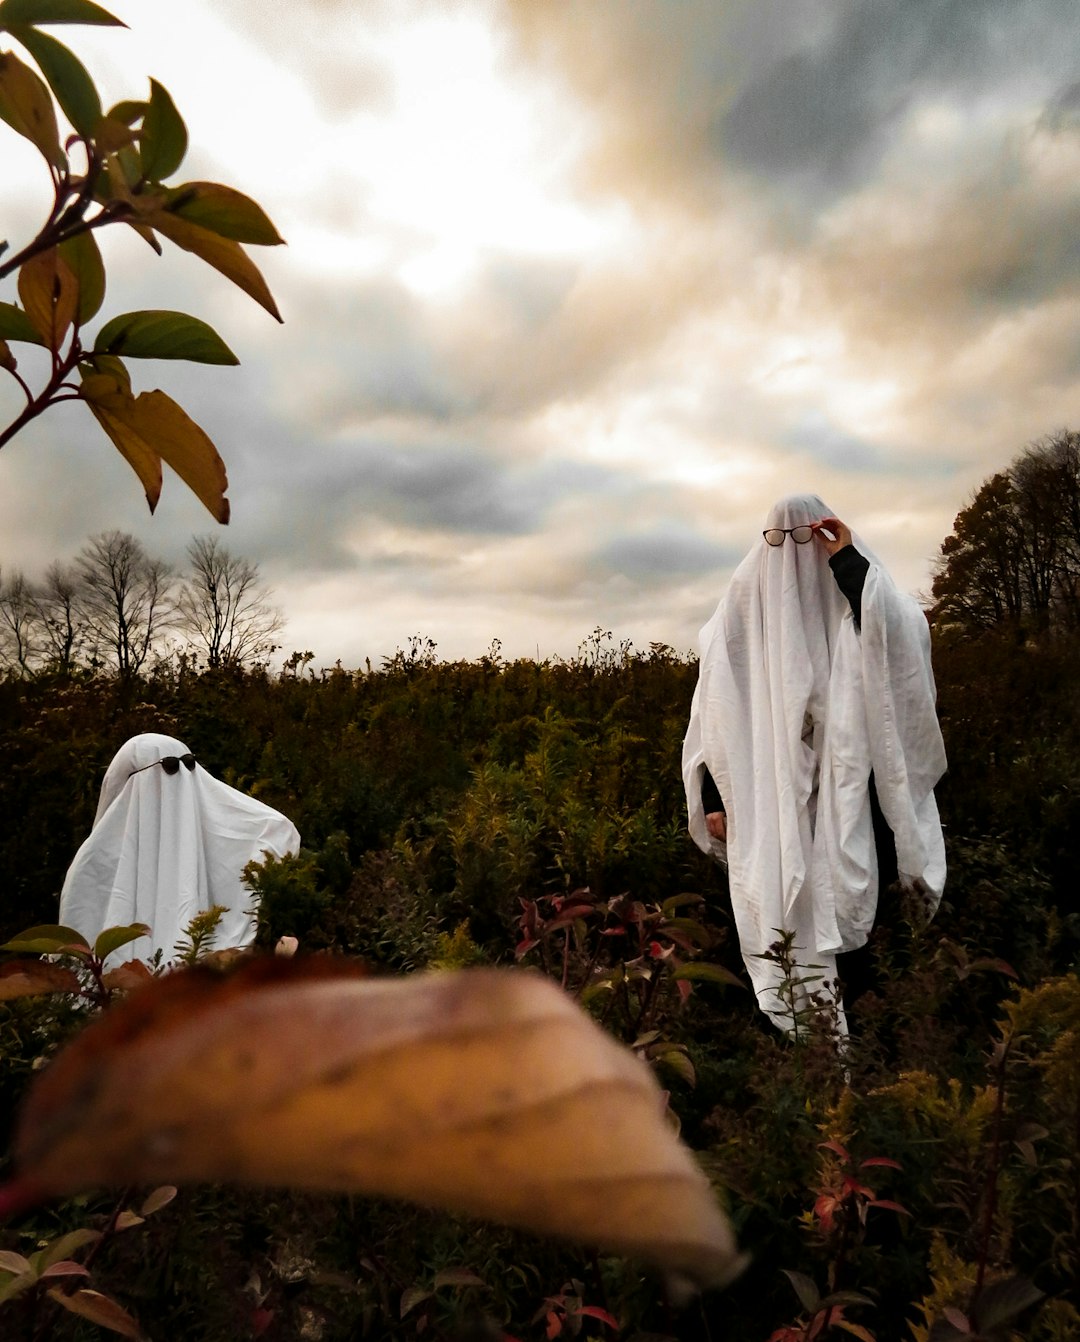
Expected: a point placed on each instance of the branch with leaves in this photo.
(112, 169)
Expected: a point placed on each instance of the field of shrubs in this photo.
(926, 1186)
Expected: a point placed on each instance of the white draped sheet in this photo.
(794, 707)
(165, 847)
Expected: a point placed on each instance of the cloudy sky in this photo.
(574, 289)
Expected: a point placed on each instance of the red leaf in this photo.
(880, 1160)
(837, 1149)
(595, 1312)
(261, 1319)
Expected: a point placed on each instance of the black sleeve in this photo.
(710, 794)
(850, 569)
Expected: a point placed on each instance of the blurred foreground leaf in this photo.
(487, 1092)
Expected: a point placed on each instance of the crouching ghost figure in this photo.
(813, 749)
(169, 841)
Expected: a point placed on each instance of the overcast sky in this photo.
(574, 289)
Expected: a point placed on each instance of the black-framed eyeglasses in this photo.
(170, 763)
(777, 535)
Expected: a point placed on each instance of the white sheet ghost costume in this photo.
(165, 847)
(794, 707)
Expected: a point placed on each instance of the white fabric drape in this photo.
(793, 709)
(165, 847)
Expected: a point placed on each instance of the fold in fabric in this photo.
(795, 706)
(165, 847)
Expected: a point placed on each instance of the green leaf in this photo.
(111, 366)
(25, 104)
(228, 213)
(56, 11)
(114, 937)
(411, 1297)
(128, 111)
(46, 938)
(67, 76)
(677, 1061)
(1002, 1302)
(160, 1197)
(457, 1276)
(805, 1288)
(674, 902)
(66, 1245)
(159, 334)
(699, 969)
(16, 325)
(164, 135)
(82, 255)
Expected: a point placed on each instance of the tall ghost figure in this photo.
(169, 841)
(814, 715)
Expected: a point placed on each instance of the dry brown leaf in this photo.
(100, 1309)
(131, 974)
(29, 978)
(481, 1091)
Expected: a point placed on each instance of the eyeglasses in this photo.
(777, 535)
(170, 763)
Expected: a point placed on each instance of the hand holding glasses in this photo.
(832, 533)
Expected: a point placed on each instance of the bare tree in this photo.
(19, 625)
(63, 629)
(224, 608)
(125, 598)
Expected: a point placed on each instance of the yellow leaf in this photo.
(27, 107)
(50, 295)
(109, 403)
(487, 1092)
(147, 234)
(222, 253)
(151, 428)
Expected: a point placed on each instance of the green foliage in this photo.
(114, 170)
(453, 812)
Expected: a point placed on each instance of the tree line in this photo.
(1012, 561)
(116, 608)
(1013, 557)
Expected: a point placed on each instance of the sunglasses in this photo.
(170, 763)
(777, 535)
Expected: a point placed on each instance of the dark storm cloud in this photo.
(823, 114)
(447, 487)
(653, 557)
(365, 349)
(305, 500)
(803, 96)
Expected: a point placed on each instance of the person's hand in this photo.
(716, 824)
(840, 530)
